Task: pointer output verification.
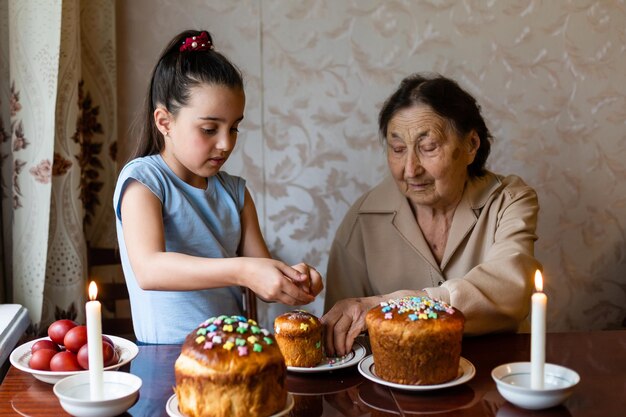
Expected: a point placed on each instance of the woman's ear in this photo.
(163, 120)
(473, 143)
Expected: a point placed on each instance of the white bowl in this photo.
(126, 350)
(513, 383)
(120, 393)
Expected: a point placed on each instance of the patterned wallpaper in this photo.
(550, 76)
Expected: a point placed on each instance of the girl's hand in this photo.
(273, 280)
(313, 284)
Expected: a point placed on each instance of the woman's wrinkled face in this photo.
(427, 158)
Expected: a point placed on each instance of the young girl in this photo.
(188, 233)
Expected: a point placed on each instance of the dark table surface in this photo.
(598, 357)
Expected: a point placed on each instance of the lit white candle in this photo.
(94, 343)
(538, 334)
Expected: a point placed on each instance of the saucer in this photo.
(513, 383)
(172, 407)
(120, 392)
(466, 372)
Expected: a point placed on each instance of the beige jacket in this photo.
(487, 269)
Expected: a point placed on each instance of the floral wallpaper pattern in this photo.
(550, 77)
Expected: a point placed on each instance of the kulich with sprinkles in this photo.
(230, 366)
(299, 336)
(415, 340)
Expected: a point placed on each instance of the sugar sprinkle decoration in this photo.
(233, 332)
(418, 308)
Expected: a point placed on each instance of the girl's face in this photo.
(201, 137)
(427, 158)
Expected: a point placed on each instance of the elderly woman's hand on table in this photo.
(346, 320)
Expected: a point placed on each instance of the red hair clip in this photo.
(197, 43)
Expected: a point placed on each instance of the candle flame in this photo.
(538, 281)
(93, 291)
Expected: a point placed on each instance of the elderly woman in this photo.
(441, 226)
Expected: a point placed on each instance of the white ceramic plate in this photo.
(329, 364)
(466, 372)
(19, 358)
(172, 407)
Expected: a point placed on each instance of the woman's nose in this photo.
(412, 165)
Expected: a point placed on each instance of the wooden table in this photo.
(599, 358)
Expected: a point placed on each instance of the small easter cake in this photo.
(229, 366)
(415, 340)
(299, 336)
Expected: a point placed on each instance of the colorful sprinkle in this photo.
(230, 332)
(418, 308)
(304, 326)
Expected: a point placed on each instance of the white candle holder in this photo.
(514, 384)
(120, 391)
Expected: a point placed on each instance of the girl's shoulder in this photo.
(151, 169)
(144, 163)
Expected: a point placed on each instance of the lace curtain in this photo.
(57, 150)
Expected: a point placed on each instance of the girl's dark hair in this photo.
(175, 73)
(448, 100)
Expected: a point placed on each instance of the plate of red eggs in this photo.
(64, 352)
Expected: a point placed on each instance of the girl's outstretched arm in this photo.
(253, 245)
(156, 269)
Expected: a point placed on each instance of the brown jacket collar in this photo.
(386, 198)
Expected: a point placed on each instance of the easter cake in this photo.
(230, 366)
(299, 336)
(415, 340)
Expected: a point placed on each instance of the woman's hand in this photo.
(346, 319)
(313, 284)
(274, 280)
(344, 322)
